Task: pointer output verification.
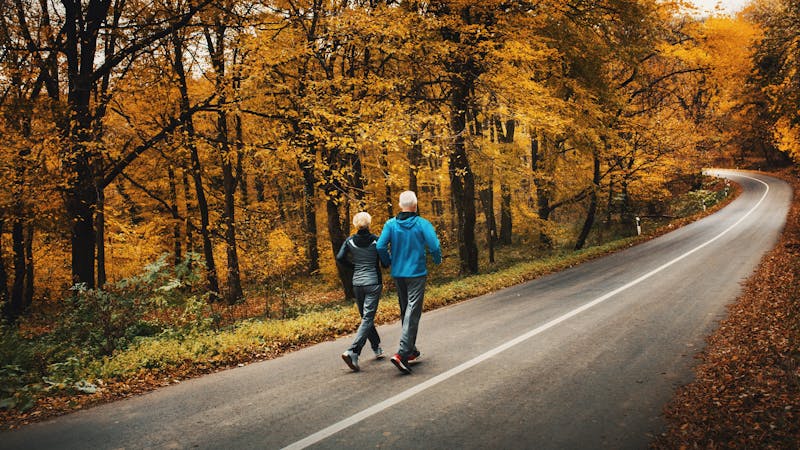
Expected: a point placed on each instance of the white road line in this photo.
(389, 402)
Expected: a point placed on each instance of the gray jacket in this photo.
(360, 254)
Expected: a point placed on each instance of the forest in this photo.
(177, 167)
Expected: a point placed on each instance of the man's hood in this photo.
(407, 219)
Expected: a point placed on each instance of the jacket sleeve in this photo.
(341, 257)
(379, 262)
(432, 242)
(383, 244)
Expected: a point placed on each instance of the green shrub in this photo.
(101, 321)
(15, 389)
(18, 385)
(695, 201)
(97, 323)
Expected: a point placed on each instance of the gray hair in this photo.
(408, 199)
(362, 220)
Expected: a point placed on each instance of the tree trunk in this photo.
(280, 199)
(625, 210)
(506, 224)
(202, 206)
(100, 226)
(337, 238)
(196, 170)
(610, 205)
(190, 210)
(81, 202)
(414, 163)
(216, 47)
(384, 162)
(22, 289)
(234, 291)
(310, 209)
(505, 214)
(233, 294)
(19, 244)
(487, 199)
(357, 182)
(258, 185)
(433, 192)
(337, 225)
(81, 32)
(17, 304)
(592, 210)
(81, 192)
(462, 183)
(29, 286)
(176, 226)
(241, 175)
(538, 158)
(4, 304)
(625, 215)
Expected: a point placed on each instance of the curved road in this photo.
(584, 358)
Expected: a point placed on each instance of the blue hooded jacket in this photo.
(408, 234)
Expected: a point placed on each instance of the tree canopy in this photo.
(254, 130)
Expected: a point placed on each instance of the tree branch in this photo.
(173, 124)
(124, 53)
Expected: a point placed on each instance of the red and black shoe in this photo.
(400, 363)
(415, 356)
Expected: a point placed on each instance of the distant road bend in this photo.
(585, 358)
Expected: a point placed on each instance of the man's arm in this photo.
(432, 242)
(383, 244)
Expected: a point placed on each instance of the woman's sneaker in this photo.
(379, 353)
(351, 359)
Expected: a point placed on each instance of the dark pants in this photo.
(367, 298)
(410, 294)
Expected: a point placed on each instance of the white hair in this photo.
(408, 200)
(362, 220)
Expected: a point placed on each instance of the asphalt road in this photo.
(585, 358)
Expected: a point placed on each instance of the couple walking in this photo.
(400, 246)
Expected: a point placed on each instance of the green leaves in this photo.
(16, 390)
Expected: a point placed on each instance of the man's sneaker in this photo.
(379, 353)
(351, 359)
(415, 356)
(402, 365)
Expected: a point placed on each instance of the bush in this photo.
(695, 201)
(18, 380)
(100, 321)
(97, 323)
(15, 390)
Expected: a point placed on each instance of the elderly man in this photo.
(402, 245)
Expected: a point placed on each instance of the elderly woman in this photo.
(360, 254)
